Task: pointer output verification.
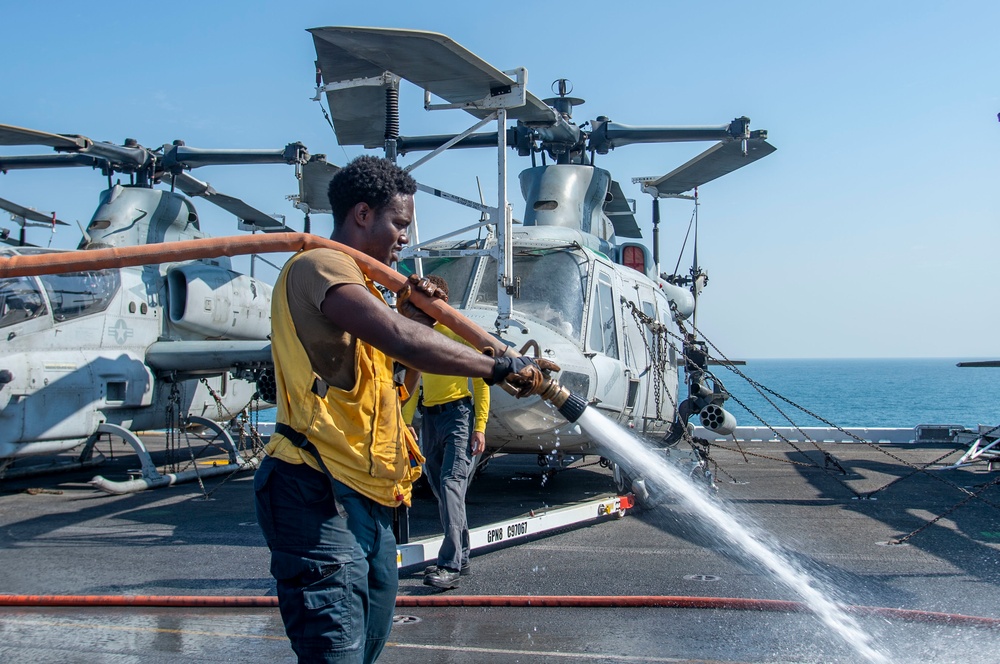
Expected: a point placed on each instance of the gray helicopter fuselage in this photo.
(567, 196)
(78, 345)
(130, 216)
(575, 301)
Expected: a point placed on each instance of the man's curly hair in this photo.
(367, 179)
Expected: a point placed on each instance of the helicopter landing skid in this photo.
(51, 468)
(150, 477)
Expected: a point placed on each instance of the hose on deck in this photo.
(494, 601)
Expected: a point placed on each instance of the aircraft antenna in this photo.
(656, 235)
(53, 233)
(687, 235)
(83, 232)
(695, 268)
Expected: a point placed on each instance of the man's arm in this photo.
(353, 309)
(410, 405)
(481, 401)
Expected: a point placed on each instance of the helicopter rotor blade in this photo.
(718, 160)
(5, 238)
(620, 213)
(430, 60)
(609, 135)
(125, 158)
(405, 144)
(178, 155)
(315, 184)
(17, 162)
(244, 212)
(27, 214)
(11, 135)
(128, 157)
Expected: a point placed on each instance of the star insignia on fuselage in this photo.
(121, 331)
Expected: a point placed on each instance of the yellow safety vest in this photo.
(360, 433)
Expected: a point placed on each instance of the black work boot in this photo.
(442, 578)
(465, 571)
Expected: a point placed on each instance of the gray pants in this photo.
(446, 443)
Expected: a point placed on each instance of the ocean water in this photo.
(860, 393)
(867, 392)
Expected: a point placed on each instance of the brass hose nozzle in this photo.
(569, 405)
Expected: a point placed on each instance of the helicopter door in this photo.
(604, 341)
(654, 363)
(636, 355)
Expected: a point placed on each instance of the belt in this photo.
(440, 408)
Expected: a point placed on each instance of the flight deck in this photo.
(63, 537)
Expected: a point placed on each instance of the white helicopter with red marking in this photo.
(570, 281)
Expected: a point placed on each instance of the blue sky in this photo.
(869, 233)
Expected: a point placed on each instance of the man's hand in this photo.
(478, 442)
(412, 311)
(523, 373)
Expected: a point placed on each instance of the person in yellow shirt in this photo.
(341, 458)
(452, 436)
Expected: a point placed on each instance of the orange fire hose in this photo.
(494, 601)
(186, 250)
(167, 252)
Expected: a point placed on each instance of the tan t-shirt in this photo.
(330, 349)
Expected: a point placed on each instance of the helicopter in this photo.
(115, 351)
(572, 282)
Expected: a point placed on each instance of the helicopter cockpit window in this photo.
(552, 284)
(20, 300)
(603, 334)
(456, 271)
(78, 294)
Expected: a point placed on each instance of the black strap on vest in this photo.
(299, 439)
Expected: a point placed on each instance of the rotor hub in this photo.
(563, 103)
